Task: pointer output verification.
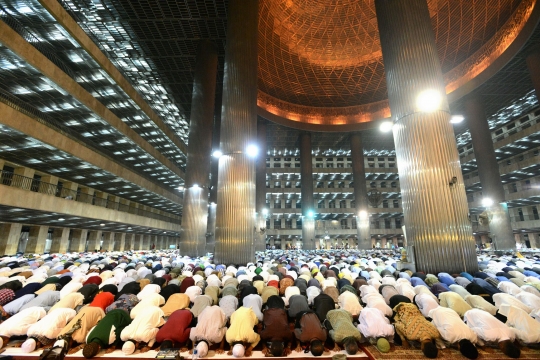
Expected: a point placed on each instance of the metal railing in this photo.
(22, 182)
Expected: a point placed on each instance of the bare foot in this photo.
(286, 351)
(229, 352)
(220, 351)
(74, 350)
(247, 353)
(184, 349)
(336, 348)
(109, 350)
(145, 349)
(191, 352)
(265, 351)
(298, 348)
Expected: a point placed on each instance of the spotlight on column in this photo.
(252, 150)
(428, 100)
(310, 214)
(217, 154)
(386, 126)
(265, 211)
(487, 202)
(363, 214)
(195, 186)
(456, 119)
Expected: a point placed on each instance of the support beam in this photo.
(306, 179)
(436, 214)
(10, 234)
(235, 218)
(108, 241)
(37, 239)
(138, 242)
(260, 197)
(60, 241)
(129, 244)
(119, 241)
(78, 240)
(360, 192)
(94, 240)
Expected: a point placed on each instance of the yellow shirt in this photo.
(242, 322)
(455, 302)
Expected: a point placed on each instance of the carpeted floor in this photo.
(485, 353)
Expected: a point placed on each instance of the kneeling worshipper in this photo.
(526, 328)
(142, 331)
(19, 323)
(376, 327)
(454, 331)
(309, 333)
(489, 329)
(410, 325)
(175, 332)
(276, 333)
(210, 330)
(89, 316)
(106, 334)
(240, 335)
(340, 326)
(46, 330)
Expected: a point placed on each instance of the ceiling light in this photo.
(428, 100)
(386, 126)
(252, 150)
(102, 224)
(61, 219)
(486, 202)
(456, 119)
(217, 154)
(129, 227)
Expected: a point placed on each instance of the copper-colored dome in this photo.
(321, 59)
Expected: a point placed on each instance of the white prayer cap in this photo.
(29, 345)
(238, 350)
(202, 349)
(128, 348)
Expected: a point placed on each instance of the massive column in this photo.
(137, 242)
(214, 167)
(108, 241)
(360, 192)
(60, 240)
(10, 234)
(195, 214)
(37, 239)
(78, 240)
(119, 241)
(235, 217)
(533, 64)
(488, 172)
(262, 212)
(94, 240)
(130, 238)
(306, 179)
(435, 213)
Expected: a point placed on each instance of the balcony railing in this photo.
(30, 184)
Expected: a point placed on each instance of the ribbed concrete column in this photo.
(533, 64)
(435, 213)
(137, 244)
(60, 240)
(360, 192)
(146, 242)
(36, 240)
(518, 239)
(235, 216)
(195, 214)
(129, 243)
(488, 172)
(260, 244)
(78, 240)
(533, 240)
(211, 229)
(10, 233)
(214, 168)
(306, 179)
(94, 240)
(108, 241)
(119, 241)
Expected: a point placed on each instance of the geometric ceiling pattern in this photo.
(324, 53)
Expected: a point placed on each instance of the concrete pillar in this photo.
(426, 149)
(395, 242)
(488, 172)
(533, 64)
(360, 192)
(533, 239)
(138, 243)
(146, 242)
(383, 242)
(113, 202)
(24, 178)
(60, 240)
(2, 163)
(48, 185)
(87, 195)
(373, 242)
(128, 245)
(101, 199)
(306, 178)
(211, 229)
(119, 241)
(236, 179)
(36, 239)
(78, 240)
(10, 233)
(94, 240)
(108, 241)
(195, 213)
(262, 211)
(518, 240)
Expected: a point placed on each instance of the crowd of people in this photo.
(286, 300)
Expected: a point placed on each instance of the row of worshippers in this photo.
(331, 302)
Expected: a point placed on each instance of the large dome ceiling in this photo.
(320, 61)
